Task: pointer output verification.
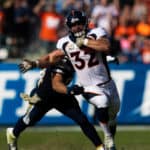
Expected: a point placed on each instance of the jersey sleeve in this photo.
(97, 33)
(59, 44)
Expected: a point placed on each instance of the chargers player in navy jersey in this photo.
(43, 99)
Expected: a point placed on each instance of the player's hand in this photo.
(31, 99)
(26, 65)
(79, 41)
(75, 90)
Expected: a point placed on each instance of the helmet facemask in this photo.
(80, 33)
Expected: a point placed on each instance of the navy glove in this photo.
(75, 90)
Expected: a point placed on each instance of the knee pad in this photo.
(102, 114)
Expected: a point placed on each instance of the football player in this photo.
(43, 98)
(87, 51)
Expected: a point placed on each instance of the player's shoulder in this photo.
(64, 65)
(64, 38)
(97, 32)
(62, 41)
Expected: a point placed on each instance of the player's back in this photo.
(44, 88)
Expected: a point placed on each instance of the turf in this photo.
(53, 139)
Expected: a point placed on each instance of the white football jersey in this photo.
(90, 65)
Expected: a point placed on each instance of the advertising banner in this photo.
(133, 83)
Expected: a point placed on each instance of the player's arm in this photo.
(102, 44)
(60, 87)
(43, 62)
(58, 84)
(50, 59)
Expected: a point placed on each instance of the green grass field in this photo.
(55, 139)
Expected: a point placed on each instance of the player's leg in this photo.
(103, 117)
(113, 127)
(114, 108)
(101, 102)
(71, 109)
(29, 119)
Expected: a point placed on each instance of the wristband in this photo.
(85, 42)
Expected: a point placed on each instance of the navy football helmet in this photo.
(76, 17)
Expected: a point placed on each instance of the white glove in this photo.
(31, 99)
(79, 41)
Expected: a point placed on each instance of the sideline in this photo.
(77, 128)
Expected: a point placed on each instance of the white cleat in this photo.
(109, 143)
(101, 147)
(11, 139)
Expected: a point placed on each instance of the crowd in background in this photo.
(32, 27)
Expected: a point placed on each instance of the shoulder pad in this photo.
(65, 66)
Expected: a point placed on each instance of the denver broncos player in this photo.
(87, 51)
(44, 98)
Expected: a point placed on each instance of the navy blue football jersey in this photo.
(44, 86)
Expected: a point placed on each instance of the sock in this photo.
(112, 127)
(105, 129)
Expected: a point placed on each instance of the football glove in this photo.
(31, 99)
(75, 90)
(26, 65)
(79, 41)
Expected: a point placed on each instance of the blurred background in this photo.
(31, 28)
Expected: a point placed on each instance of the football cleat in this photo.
(109, 143)
(101, 147)
(11, 139)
